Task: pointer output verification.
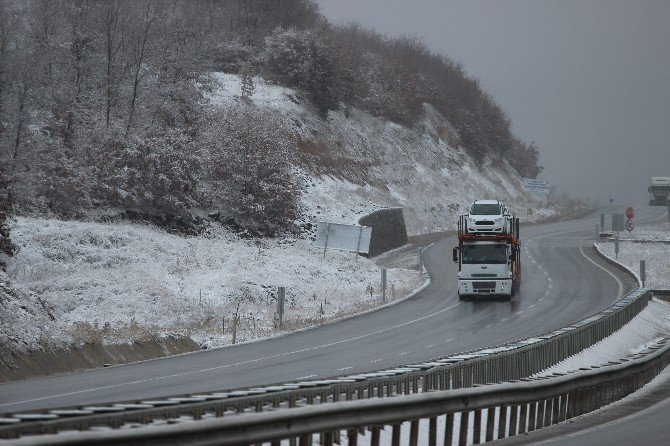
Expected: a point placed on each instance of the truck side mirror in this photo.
(455, 254)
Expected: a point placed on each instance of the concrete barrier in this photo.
(388, 230)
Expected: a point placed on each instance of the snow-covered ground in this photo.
(648, 247)
(121, 280)
(87, 281)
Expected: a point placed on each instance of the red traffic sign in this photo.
(629, 225)
(629, 213)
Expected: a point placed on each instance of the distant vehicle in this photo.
(488, 217)
(489, 263)
(659, 191)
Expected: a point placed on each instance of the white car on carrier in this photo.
(488, 217)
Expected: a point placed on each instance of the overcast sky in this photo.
(587, 80)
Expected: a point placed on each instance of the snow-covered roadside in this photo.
(655, 254)
(650, 325)
(654, 321)
(117, 281)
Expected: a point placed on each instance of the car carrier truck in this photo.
(659, 191)
(488, 264)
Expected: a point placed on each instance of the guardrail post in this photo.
(546, 420)
(514, 417)
(502, 422)
(305, 440)
(352, 437)
(432, 431)
(414, 433)
(532, 416)
(448, 429)
(563, 410)
(463, 432)
(490, 423)
(477, 433)
(395, 436)
(555, 410)
(522, 418)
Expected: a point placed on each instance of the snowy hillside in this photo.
(355, 163)
(118, 282)
(84, 281)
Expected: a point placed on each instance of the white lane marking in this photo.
(450, 339)
(549, 279)
(403, 353)
(533, 261)
(503, 320)
(308, 376)
(430, 346)
(550, 285)
(376, 360)
(541, 299)
(225, 366)
(519, 312)
(344, 368)
(581, 250)
(531, 306)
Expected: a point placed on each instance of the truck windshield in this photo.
(485, 209)
(484, 254)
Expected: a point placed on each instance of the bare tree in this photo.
(140, 39)
(114, 28)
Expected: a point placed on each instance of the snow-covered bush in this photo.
(249, 152)
(302, 59)
(156, 174)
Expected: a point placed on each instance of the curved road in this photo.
(563, 281)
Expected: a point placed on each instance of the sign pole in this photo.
(281, 294)
(616, 245)
(643, 272)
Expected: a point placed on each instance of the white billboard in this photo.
(536, 186)
(352, 238)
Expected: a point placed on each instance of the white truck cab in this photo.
(489, 262)
(659, 191)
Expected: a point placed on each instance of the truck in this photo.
(489, 265)
(659, 191)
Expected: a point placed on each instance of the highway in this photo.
(563, 281)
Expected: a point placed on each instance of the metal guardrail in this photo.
(512, 361)
(498, 411)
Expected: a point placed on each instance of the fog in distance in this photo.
(587, 80)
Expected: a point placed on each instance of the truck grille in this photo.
(485, 222)
(483, 275)
(483, 285)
